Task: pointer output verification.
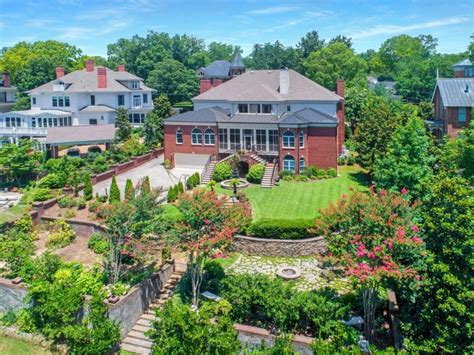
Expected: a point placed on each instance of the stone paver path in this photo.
(313, 274)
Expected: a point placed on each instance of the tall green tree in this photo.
(310, 43)
(122, 125)
(407, 160)
(273, 56)
(173, 79)
(153, 127)
(114, 193)
(342, 39)
(356, 100)
(336, 61)
(222, 51)
(129, 190)
(19, 162)
(88, 190)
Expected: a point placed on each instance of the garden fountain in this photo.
(289, 272)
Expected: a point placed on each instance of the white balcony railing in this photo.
(22, 130)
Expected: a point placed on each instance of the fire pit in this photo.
(289, 272)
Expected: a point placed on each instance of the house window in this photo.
(134, 84)
(120, 100)
(288, 139)
(93, 121)
(243, 108)
(55, 101)
(61, 121)
(209, 137)
(69, 121)
(55, 121)
(145, 98)
(130, 117)
(142, 118)
(288, 108)
(461, 114)
(301, 139)
(67, 101)
(179, 136)
(60, 101)
(196, 136)
(3, 97)
(302, 164)
(254, 108)
(33, 100)
(273, 140)
(92, 100)
(289, 163)
(136, 101)
(266, 108)
(33, 122)
(261, 136)
(136, 118)
(222, 138)
(234, 138)
(50, 122)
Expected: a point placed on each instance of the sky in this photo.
(91, 25)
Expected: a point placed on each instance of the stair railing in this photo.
(208, 162)
(275, 168)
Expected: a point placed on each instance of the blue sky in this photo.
(91, 25)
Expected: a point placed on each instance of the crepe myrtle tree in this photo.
(207, 225)
(372, 235)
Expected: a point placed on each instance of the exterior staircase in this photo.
(209, 172)
(268, 180)
(258, 158)
(136, 341)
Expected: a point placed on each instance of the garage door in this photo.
(192, 161)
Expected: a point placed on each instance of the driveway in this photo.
(154, 169)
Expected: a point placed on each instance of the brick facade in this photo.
(449, 116)
(187, 147)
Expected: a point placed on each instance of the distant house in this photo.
(388, 85)
(453, 100)
(7, 93)
(267, 116)
(89, 96)
(219, 71)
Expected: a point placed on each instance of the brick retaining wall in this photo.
(279, 247)
(11, 296)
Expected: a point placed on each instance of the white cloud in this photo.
(273, 10)
(75, 32)
(390, 29)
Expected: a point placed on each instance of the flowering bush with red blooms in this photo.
(207, 225)
(374, 238)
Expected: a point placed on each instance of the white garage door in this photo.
(190, 161)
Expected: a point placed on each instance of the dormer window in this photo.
(266, 108)
(243, 108)
(134, 84)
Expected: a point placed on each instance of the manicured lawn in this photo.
(301, 200)
(9, 346)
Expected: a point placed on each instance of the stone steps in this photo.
(207, 176)
(267, 176)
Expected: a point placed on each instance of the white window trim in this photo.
(208, 134)
(197, 140)
(299, 139)
(283, 139)
(289, 159)
(179, 130)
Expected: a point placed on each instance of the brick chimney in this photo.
(121, 67)
(101, 77)
(89, 65)
(6, 79)
(340, 116)
(59, 72)
(204, 85)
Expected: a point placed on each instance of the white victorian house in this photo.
(89, 96)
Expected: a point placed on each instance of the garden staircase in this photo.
(268, 179)
(209, 172)
(258, 158)
(136, 341)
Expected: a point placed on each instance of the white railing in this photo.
(22, 130)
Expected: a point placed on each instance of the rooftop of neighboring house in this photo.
(221, 68)
(456, 92)
(269, 86)
(86, 80)
(463, 63)
(306, 116)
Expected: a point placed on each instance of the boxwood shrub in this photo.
(282, 228)
(255, 174)
(222, 172)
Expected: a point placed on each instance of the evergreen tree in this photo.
(172, 194)
(180, 187)
(88, 191)
(129, 190)
(153, 127)
(114, 195)
(123, 125)
(407, 161)
(145, 185)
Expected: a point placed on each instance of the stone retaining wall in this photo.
(279, 247)
(11, 296)
(79, 226)
(252, 337)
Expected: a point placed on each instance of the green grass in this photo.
(13, 213)
(10, 346)
(302, 200)
(229, 260)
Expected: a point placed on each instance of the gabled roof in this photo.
(463, 63)
(35, 111)
(218, 68)
(97, 108)
(206, 115)
(237, 61)
(456, 92)
(84, 81)
(307, 116)
(80, 134)
(263, 85)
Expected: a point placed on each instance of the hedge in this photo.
(282, 228)
(255, 174)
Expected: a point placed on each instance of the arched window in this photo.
(196, 136)
(288, 139)
(209, 137)
(302, 164)
(301, 139)
(289, 163)
(179, 136)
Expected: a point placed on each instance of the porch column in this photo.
(228, 138)
(241, 138)
(254, 138)
(267, 143)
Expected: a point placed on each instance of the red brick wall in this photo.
(186, 147)
(451, 124)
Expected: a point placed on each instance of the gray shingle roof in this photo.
(263, 85)
(250, 118)
(80, 134)
(453, 92)
(82, 80)
(307, 116)
(97, 108)
(218, 68)
(463, 63)
(206, 115)
(237, 61)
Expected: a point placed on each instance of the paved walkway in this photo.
(154, 170)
